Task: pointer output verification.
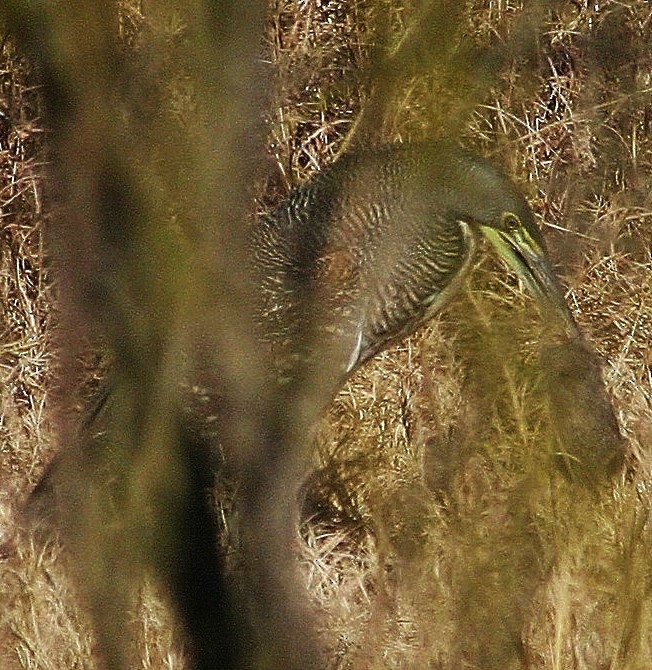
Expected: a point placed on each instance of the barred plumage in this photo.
(376, 244)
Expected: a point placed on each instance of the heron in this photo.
(379, 242)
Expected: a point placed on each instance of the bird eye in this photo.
(511, 222)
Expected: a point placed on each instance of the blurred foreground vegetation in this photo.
(444, 525)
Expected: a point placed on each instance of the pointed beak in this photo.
(528, 260)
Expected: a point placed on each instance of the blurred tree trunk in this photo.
(149, 249)
(155, 149)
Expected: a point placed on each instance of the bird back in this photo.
(357, 258)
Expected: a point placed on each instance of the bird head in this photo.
(492, 206)
(518, 242)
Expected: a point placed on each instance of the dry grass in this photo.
(437, 530)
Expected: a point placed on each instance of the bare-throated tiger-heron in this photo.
(376, 244)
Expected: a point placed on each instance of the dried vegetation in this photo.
(439, 529)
